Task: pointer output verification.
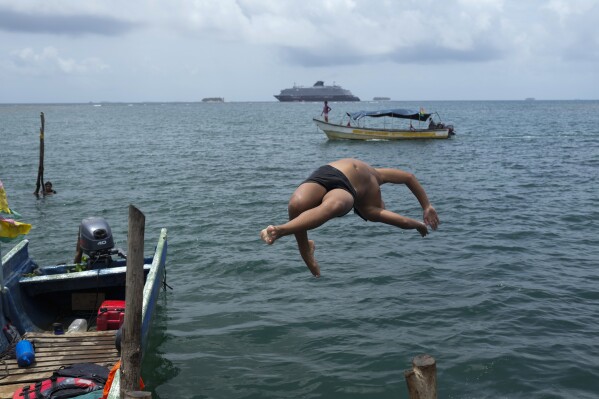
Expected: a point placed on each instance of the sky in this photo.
(67, 51)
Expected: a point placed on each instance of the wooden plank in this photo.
(44, 346)
(68, 358)
(77, 342)
(55, 351)
(66, 348)
(49, 346)
(66, 354)
(6, 391)
(107, 333)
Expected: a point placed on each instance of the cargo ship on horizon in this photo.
(318, 92)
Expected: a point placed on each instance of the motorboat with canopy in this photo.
(354, 126)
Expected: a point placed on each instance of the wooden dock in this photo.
(54, 351)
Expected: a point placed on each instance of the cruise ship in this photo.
(318, 92)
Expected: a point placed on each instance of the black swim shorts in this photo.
(331, 178)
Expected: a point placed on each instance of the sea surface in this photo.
(504, 295)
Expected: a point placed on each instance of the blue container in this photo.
(58, 330)
(25, 353)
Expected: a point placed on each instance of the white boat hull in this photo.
(336, 132)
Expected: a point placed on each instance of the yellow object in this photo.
(3, 200)
(12, 229)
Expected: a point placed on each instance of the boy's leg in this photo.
(334, 203)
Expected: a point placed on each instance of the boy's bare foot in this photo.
(269, 235)
(311, 261)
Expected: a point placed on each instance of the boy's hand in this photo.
(431, 218)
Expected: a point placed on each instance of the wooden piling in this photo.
(40, 170)
(422, 378)
(131, 345)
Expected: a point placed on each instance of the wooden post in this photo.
(40, 169)
(131, 344)
(422, 379)
(137, 394)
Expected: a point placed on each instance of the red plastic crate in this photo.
(110, 315)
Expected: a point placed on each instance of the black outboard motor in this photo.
(95, 240)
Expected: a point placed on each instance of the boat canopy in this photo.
(393, 113)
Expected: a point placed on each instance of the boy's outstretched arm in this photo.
(397, 176)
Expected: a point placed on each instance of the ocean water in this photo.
(504, 295)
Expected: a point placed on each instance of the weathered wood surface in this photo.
(131, 343)
(422, 378)
(54, 351)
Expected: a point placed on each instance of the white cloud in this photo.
(48, 61)
(347, 31)
(159, 47)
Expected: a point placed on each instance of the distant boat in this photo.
(529, 99)
(381, 98)
(355, 128)
(213, 100)
(318, 92)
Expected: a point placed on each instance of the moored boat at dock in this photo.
(72, 312)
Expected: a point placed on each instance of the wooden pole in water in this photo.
(40, 169)
(131, 345)
(422, 379)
